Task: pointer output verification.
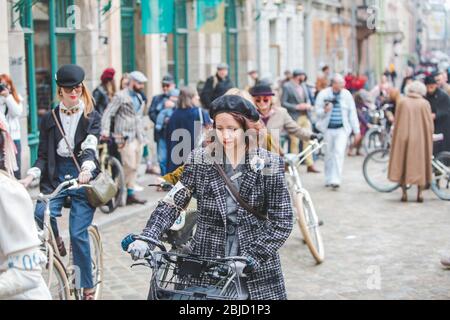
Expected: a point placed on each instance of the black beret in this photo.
(262, 90)
(233, 103)
(430, 80)
(69, 75)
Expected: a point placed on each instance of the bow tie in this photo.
(70, 111)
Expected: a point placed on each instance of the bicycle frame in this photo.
(439, 166)
(294, 161)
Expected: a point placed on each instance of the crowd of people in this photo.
(278, 120)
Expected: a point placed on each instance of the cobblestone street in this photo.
(376, 247)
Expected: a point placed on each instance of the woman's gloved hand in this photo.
(84, 177)
(138, 249)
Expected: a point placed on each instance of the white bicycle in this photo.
(305, 213)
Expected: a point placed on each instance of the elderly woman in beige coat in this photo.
(412, 143)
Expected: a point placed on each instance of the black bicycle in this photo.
(177, 276)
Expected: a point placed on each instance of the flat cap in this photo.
(167, 79)
(298, 72)
(222, 66)
(138, 76)
(69, 75)
(234, 103)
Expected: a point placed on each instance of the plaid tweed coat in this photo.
(258, 239)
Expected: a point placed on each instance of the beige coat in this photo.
(412, 143)
(280, 121)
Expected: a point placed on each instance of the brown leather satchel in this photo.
(258, 213)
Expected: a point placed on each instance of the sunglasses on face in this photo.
(77, 88)
(260, 100)
(166, 85)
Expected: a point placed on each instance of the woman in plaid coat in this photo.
(224, 227)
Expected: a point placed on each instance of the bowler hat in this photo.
(261, 90)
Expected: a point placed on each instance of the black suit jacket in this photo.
(49, 139)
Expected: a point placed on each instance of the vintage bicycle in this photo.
(305, 213)
(60, 275)
(376, 164)
(178, 276)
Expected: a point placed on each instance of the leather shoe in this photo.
(61, 247)
(445, 262)
(134, 200)
(311, 169)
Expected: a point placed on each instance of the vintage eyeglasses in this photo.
(265, 100)
(77, 88)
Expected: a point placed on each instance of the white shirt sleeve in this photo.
(14, 108)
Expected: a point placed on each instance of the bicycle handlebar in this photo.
(72, 183)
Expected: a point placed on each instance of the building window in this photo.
(49, 43)
(177, 46)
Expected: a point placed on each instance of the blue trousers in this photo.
(81, 216)
(162, 155)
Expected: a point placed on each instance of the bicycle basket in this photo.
(181, 277)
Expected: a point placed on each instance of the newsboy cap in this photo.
(138, 76)
(69, 75)
(234, 103)
(222, 65)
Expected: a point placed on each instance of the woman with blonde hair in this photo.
(412, 142)
(68, 146)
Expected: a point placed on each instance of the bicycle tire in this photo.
(62, 292)
(97, 261)
(444, 158)
(305, 212)
(369, 141)
(115, 169)
(371, 157)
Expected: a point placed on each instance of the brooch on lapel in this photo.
(257, 164)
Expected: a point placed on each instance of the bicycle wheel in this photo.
(441, 177)
(375, 170)
(309, 225)
(97, 260)
(55, 277)
(372, 140)
(115, 170)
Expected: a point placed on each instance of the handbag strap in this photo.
(236, 194)
(67, 141)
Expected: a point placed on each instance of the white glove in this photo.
(138, 249)
(238, 267)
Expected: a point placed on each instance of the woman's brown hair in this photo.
(86, 97)
(4, 77)
(186, 98)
